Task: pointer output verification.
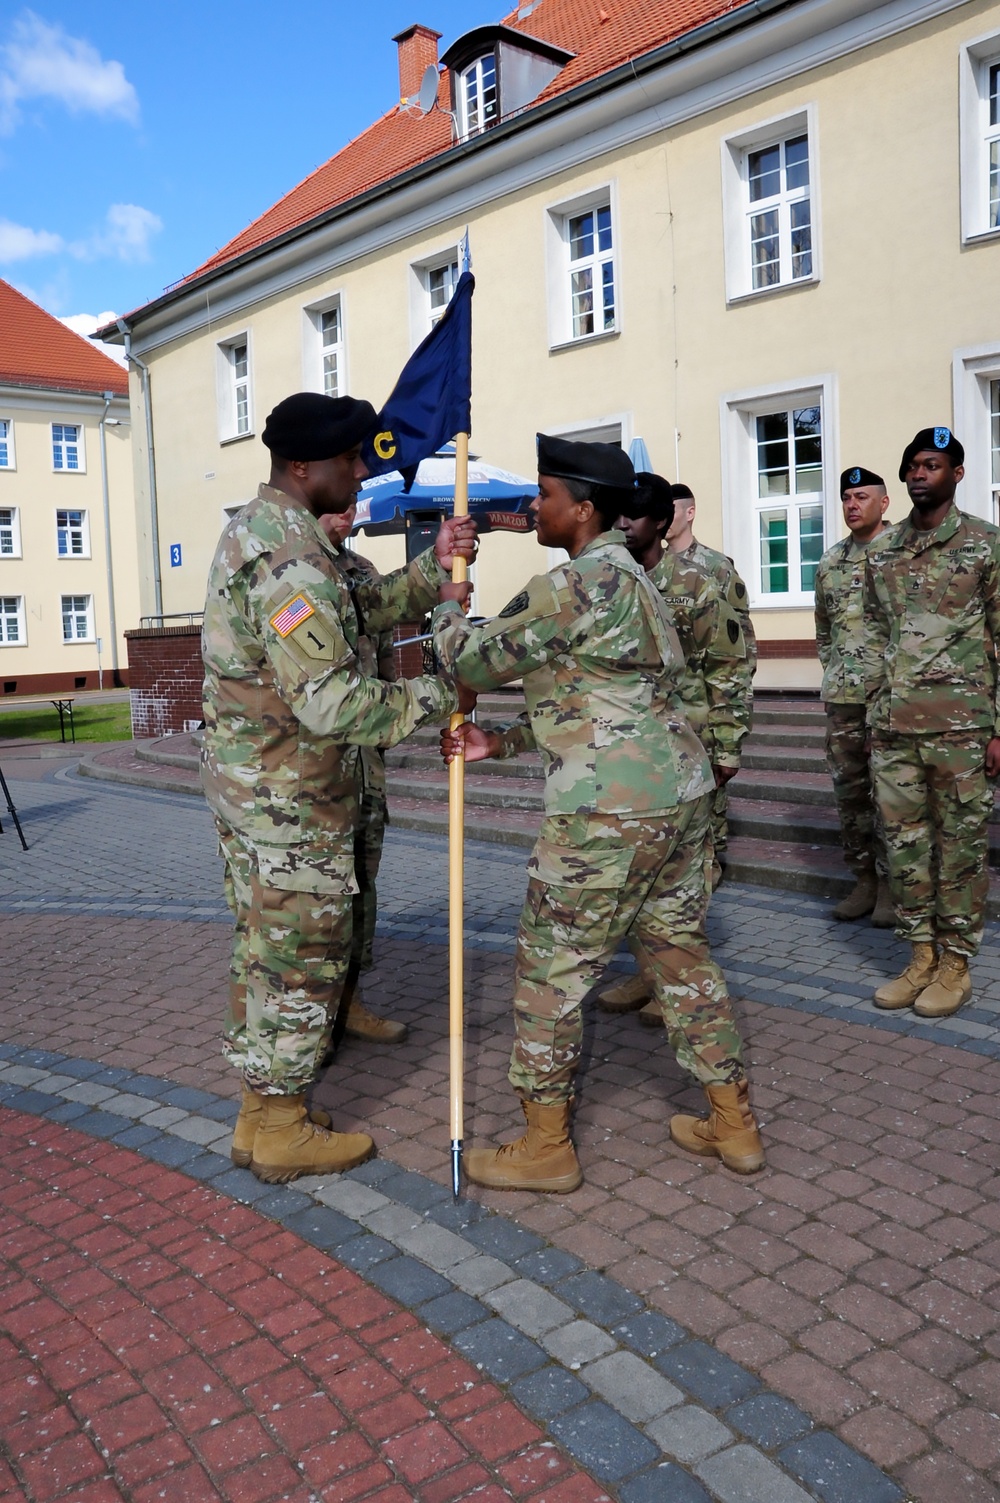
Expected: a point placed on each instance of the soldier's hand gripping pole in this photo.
(456, 869)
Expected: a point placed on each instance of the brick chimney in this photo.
(418, 48)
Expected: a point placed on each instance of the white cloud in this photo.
(19, 243)
(86, 323)
(127, 232)
(42, 61)
(124, 236)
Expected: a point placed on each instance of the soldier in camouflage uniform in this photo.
(715, 690)
(681, 541)
(378, 660)
(287, 709)
(622, 846)
(932, 624)
(840, 577)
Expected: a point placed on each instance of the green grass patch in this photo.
(94, 722)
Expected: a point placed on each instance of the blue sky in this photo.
(136, 139)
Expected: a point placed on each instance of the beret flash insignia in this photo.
(942, 438)
(855, 477)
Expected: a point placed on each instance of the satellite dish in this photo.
(427, 98)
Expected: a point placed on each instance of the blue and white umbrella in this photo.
(639, 455)
(498, 499)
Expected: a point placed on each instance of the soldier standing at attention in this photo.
(287, 708)
(377, 660)
(622, 847)
(681, 540)
(840, 578)
(932, 626)
(716, 688)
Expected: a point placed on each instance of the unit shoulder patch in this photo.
(516, 606)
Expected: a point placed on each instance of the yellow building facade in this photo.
(771, 249)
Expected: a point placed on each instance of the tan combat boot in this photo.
(729, 1132)
(906, 988)
(544, 1159)
(860, 900)
(651, 1016)
(951, 986)
(248, 1121)
(287, 1144)
(624, 996)
(884, 912)
(362, 1024)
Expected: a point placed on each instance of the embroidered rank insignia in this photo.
(292, 615)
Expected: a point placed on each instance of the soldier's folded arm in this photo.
(824, 640)
(540, 622)
(728, 684)
(317, 673)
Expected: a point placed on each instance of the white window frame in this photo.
(740, 501)
(8, 458)
(315, 349)
(737, 208)
(71, 530)
(474, 74)
(234, 390)
(18, 615)
(975, 134)
(560, 267)
(59, 448)
(13, 528)
(75, 611)
(424, 312)
(974, 370)
(613, 429)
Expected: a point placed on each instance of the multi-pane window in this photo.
(239, 355)
(76, 618)
(6, 444)
(332, 348)
(479, 101)
(995, 446)
(779, 212)
(71, 534)
(12, 618)
(789, 447)
(993, 142)
(65, 446)
(591, 271)
(441, 284)
(10, 533)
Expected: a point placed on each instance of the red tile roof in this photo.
(602, 34)
(37, 350)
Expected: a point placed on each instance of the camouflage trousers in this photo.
(595, 880)
(935, 801)
(291, 950)
(368, 841)
(720, 820)
(850, 769)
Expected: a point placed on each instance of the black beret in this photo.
(311, 426)
(596, 464)
(941, 439)
(859, 476)
(654, 497)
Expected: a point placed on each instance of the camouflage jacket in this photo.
(716, 691)
(600, 663)
(840, 636)
(734, 591)
(932, 623)
(287, 705)
(376, 659)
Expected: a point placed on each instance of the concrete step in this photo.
(780, 734)
(784, 759)
(483, 793)
(426, 760)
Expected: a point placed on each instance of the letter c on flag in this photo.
(384, 445)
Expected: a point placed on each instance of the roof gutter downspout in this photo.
(109, 397)
(154, 516)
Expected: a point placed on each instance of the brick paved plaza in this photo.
(171, 1328)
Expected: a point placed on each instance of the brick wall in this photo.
(795, 647)
(165, 676)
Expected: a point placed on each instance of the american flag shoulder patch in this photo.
(293, 614)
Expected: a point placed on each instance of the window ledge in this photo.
(807, 603)
(68, 472)
(12, 644)
(236, 438)
(74, 558)
(78, 641)
(981, 237)
(574, 344)
(764, 292)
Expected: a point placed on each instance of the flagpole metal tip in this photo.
(456, 1167)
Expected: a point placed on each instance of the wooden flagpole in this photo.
(456, 871)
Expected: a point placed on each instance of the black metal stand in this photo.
(12, 811)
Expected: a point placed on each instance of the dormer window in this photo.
(478, 100)
(496, 71)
